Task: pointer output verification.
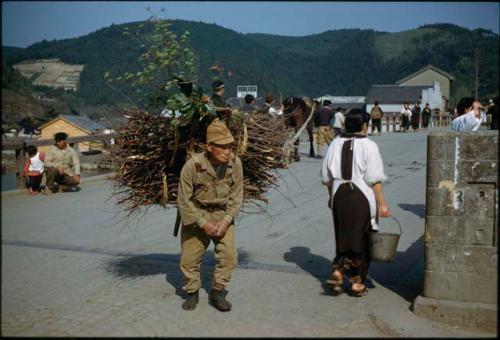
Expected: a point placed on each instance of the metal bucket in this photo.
(384, 245)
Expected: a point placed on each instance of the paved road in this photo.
(71, 267)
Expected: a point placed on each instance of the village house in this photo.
(429, 75)
(428, 85)
(74, 126)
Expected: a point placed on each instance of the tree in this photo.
(28, 124)
(166, 58)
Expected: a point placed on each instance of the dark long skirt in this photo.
(351, 216)
(415, 121)
(405, 122)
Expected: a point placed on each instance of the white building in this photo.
(392, 97)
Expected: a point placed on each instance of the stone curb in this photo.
(89, 179)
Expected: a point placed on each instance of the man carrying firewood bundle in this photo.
(210, 196)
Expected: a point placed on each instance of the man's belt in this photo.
(211, 207)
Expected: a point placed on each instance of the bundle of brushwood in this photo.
(150, 150)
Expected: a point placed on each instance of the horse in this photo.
(296, 111)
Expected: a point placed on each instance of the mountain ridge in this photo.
(338, 62)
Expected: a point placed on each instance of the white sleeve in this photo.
(471, 122)
(477, 124)
(325, 174)
(374, 165)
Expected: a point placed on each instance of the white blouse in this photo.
(339, 120)
(407, 111)
(367, 168)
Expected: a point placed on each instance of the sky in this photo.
(28, 22)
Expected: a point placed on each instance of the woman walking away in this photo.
(353, 171)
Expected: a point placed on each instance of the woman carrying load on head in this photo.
(353, 171)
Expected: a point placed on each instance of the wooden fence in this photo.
(391, 122)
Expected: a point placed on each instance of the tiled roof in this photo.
(84, 122)
(423, 69)
(113, 122)
(395, 94)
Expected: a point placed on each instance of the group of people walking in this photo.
(411, 117)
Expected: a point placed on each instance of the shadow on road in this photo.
(130, 267)
(417, 209)
(316, 265)
(404, 275)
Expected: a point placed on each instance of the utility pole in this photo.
(477, 72)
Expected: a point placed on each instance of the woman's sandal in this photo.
(335, 281)
(360, 292)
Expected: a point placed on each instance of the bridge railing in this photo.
(19, 145)
(392, 121)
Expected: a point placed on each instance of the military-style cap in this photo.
(218, 133)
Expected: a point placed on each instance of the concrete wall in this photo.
(461, 232)
(428, 77)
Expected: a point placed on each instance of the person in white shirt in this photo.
(405, 117)
(468, 115)
(353, 171)
(339, 120)
(33, 169)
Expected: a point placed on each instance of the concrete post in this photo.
(461, 233)
(20, 160)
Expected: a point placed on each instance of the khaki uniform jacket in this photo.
(67, 158)
(200, 189)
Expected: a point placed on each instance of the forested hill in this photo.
(342, 62)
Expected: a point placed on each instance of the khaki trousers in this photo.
(194, 243)
(52, 175)
(325, 135)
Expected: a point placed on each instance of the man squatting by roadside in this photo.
(62, 165)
